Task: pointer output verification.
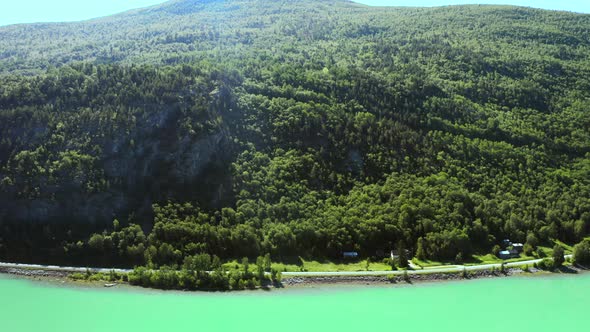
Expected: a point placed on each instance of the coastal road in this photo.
(61, 268)
(441, 269)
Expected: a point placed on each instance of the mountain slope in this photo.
(168, 33)
(239, 128)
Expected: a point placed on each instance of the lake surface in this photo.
(516, 304)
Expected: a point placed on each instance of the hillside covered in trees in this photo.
(243, 128)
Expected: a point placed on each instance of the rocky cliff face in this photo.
(95, 164)
(152, 171)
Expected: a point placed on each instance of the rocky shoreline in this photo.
(53, 277)
(409, 278)
(311, 281)
(34, 273)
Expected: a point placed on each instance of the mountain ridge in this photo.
(26, 47)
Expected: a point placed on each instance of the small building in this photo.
(507, 254)
(504, 254)
(519, 247)
(350, 254)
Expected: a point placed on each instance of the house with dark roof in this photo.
(350, 254)
(507, 254)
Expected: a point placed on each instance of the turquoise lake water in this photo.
(517, 304)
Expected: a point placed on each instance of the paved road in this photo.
(61, 268)
(442, 269)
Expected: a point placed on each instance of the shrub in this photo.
(78, 276)
(582, 253)
(545, 264)
(496, 250)
(558, 258)
(528, 249)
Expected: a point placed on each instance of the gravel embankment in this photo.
(411, 278)
(34, 273)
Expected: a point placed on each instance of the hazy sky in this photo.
(27, 11)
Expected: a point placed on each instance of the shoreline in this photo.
(49, 277)
(410, 279)
(288, 282)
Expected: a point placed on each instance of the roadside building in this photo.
(507, 254)
(350, 254)
(504, 254)
(519, 247)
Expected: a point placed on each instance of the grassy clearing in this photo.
(520, 259)
(484, 259)
(302, 265)
(547, 251)
(316, 266)
(567, 248)
(491, 259)
(93, 277)
(435, 267)
(430, 264)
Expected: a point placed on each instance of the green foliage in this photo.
(392, 264)
(532, 240)
(496, 250)
(198, 263)
(276, 276)
(403, 257)
(558, 258)
(112, 276)
(420, 250)
(582, 253)
(546, 264)
(267, 263)
(201, 272)
(448, 129)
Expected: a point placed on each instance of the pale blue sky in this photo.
(28, 11)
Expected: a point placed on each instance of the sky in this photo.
(30, 11)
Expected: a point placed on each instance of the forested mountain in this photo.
(295, 128)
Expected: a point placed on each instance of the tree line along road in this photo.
(441, 269)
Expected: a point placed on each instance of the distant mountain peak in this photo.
(180, 7)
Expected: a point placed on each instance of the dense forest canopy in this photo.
(292, 128)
